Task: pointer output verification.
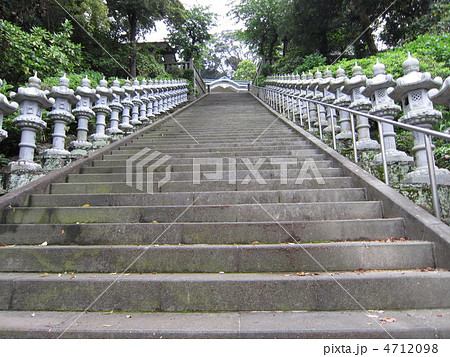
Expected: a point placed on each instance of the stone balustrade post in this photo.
(137, 103)
(442, 96)
(83, 113)
(354, 86)
(156, 105)
(62, 117)
(309, 87)
(328, 97)
(102, 111)
(166, 95)
(128, 106)
(342, 100)
(384, 106)
(318, 95)
(303, 93)
(151, 99)
(32, 101)
(6, 108)
(116, 109)
(144, 98)
(412, 90)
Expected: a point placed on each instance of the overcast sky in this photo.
(220, 7)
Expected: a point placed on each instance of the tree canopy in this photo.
(190, 31)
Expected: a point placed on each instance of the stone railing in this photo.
(128, 108)
(327, 107)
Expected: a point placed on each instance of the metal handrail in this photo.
(427, 133)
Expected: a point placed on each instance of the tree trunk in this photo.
(365, 23)
(132, 18)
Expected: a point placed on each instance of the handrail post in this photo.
(432, 174)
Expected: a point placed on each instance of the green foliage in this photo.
(39, 50)
(192, 31)
(246, 71)
(261, 18)
(148, 66)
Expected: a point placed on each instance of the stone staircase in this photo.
(216, 259)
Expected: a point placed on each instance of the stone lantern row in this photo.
(416, 92)
(128, 107)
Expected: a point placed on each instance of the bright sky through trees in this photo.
(220, 7)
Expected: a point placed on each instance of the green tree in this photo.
(261, 18)
(191, 31)
(37, 50)
(246, 71)
(137, 17)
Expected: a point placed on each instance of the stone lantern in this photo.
(61, 115)
(144, 98)
(412, 91)
(354, 86)
(32, 101)
(307, 85)
(127, 107)
(137, 103)
(83, 112)
(116, 109)
(151, 99)
(342, 100)
(6, 108)
(328, 97)
(318, 95)
(102, 110)
(441, 97)
(157, 109)
(384, 106)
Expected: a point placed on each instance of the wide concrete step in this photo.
(136, 146)
(205, 175)
(189, 157)
(410, 324)
(219, 258)
(203, 198)
(191, 143)
(202, 186)
(203, 233)
(168, 149)
(167, 214)
(100, 166)
(225, 292)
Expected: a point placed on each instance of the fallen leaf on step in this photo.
(155, 222)
(387, 320)
(63, 232)
(440, 315)
(3, 245)
(86, 205)
(255, 242)
(33, 314)
(59, 275)
(129, 316)
(107, 325)
(302, 273)
(109, 312)
(370, 324)
(113, 274)
(44, 244)
(372, 316)
(42, 275)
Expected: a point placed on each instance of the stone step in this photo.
(168, 149)
(163, 141)
(203, 233)
(189, 176)
(167, 214)
(219, 258)
(203, 198)
(120, 166)
(189, 186)
(226, 292)
(300, 154)
(410, 324)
